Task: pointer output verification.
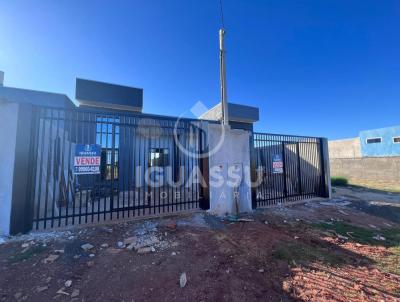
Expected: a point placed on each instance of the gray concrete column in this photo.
(229, 167)
(326, 167)
(8, 138)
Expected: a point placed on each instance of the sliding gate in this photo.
(90, 166)
(287, 168)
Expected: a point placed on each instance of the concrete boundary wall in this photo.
(367, 168)
(345, 148)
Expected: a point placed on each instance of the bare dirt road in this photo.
(311, 252)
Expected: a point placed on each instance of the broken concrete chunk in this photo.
(62, 292)
(130, 246)
(50, 259)
(41, 289)
(130, 240)
(245, 220)
(68, 283)
(87, 247)
(144, 250)
(75, 293)
(379, 238)
(183, 280)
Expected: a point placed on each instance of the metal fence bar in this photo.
(61, 197)
(302, 174)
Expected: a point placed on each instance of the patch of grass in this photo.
(296, 252)
(31, 252)
(339, 181)
(362, 235)
(391, 263)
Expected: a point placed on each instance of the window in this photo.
(158, 157)
(107, 136)
(396, 140)
(374, 140)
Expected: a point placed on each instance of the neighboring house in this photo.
(382, 142)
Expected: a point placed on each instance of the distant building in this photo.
(382, 142)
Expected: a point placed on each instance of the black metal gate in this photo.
(147, 166)
(287, 168)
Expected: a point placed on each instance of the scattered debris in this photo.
(261, 270)
(87, 247)
(265, 222)
(145, 250)
(183, 280)
(75, 293)
(379, 238)
(120, 244)
(50, 259)
(41, 289)
(59, 251)
(340, 202)
(104, 245)
(171, 225)
(61, 291)
(26, 244)
(68, 283)
(130, 240)
(92, 255)
(245, 220)
(296, 237)
(173, 254)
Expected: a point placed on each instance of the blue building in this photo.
(380, 142)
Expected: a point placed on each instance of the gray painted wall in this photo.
(235, 150)
(95, 93)
(8, 117)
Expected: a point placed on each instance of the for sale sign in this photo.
(87, 159)
(277, 164)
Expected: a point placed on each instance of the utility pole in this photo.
(224, 97)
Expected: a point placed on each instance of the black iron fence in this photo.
(93, 165)
(287, 168)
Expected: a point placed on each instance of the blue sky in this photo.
(324, 68)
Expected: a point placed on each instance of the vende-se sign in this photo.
(277, 164)
(87, 159)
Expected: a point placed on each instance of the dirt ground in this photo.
(308, 252)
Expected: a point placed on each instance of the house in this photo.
(382, 142)
(65, 164)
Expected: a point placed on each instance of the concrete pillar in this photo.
(8, 135)
(229, 170)
(16, 212)
(326, 167)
